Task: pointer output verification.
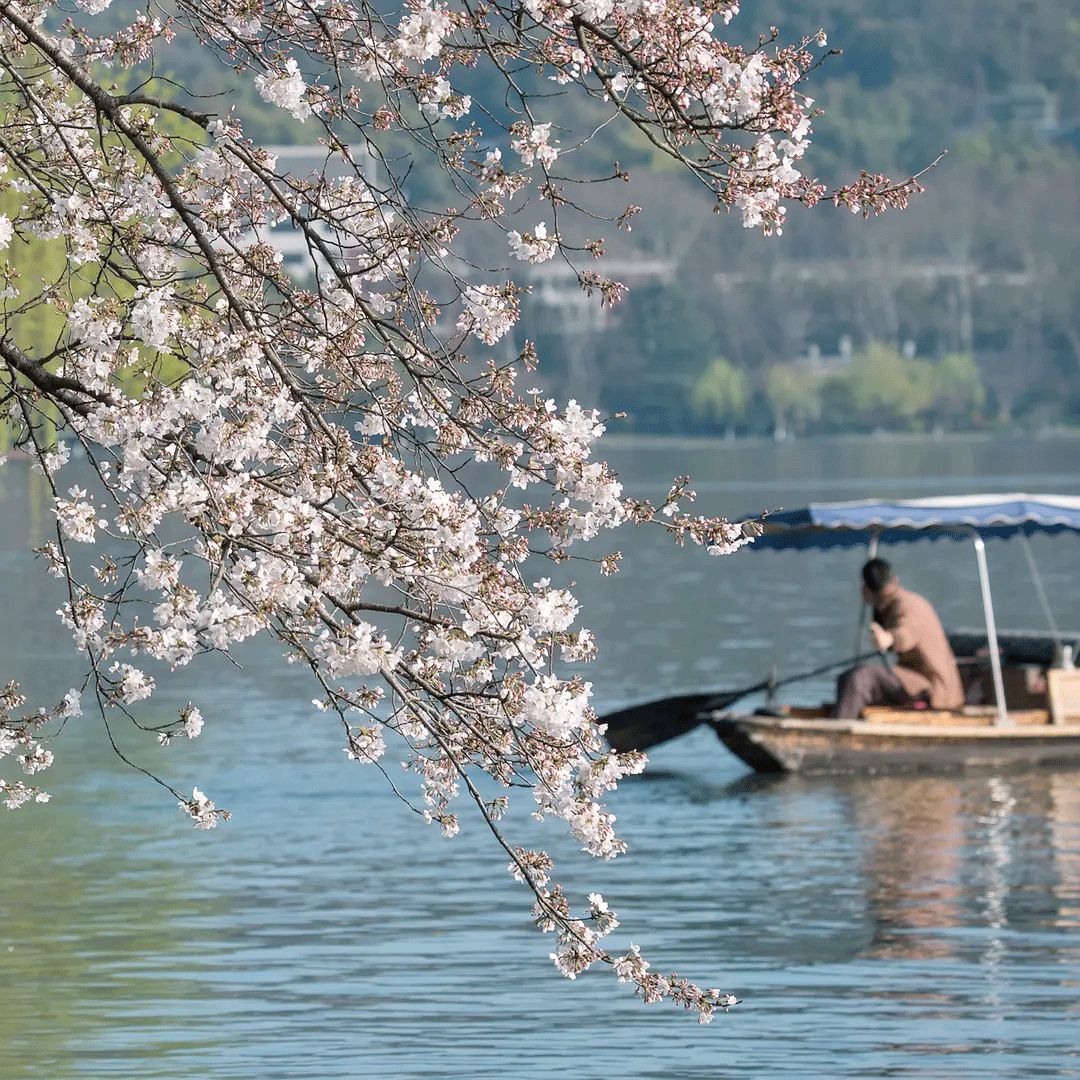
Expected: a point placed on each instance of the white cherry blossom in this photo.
(286, 89)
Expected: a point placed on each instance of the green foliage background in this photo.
(961, 312)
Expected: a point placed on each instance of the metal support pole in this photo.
(991, 630)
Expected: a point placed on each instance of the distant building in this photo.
(1027, 107)
(819, 363)
(304, 163)
(556, 288)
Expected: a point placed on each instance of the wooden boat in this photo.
(891, 740)
(1026, 692)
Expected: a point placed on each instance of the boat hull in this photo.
(781, 744)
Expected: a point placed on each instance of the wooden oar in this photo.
(641, 727)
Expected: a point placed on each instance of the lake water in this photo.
(874, 927)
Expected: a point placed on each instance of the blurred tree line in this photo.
(961, 312)
(876, 388)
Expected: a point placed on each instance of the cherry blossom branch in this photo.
(341, 460)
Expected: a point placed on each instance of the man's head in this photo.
(878, 580)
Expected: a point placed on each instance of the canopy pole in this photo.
(991, 629)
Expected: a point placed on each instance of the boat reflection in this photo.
(1064, 840)
(953, 865)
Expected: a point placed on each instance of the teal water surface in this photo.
(874, 927)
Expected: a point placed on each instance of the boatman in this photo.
(905, 623)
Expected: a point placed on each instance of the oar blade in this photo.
(641, 727)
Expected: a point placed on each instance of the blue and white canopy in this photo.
(851, 524)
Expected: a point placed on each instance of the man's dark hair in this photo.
(876, 574)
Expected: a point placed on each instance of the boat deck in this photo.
(972, 716)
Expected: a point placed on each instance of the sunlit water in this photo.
(874, 927)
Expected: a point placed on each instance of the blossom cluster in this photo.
(23, 738)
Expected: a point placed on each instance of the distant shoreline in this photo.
(615, 437)
(618, 439)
